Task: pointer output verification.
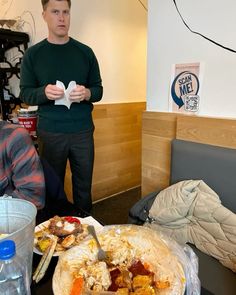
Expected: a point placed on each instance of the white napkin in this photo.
(91, 221)
(65, 99)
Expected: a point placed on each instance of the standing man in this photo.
(63, 133)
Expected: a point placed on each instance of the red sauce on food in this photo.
(137, 268)
(71, 219)
(114, 274)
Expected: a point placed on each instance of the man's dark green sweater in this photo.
(45, 63)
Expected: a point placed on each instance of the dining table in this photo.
(44, 286)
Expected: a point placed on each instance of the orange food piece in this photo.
(142, 281)
(77, 286)
(146, 265)
(162, 284)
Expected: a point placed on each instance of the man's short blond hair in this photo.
(45, 2)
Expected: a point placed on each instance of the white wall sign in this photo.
(184, 93)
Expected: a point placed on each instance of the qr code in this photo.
(191, 103)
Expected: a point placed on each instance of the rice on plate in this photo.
(139, 263)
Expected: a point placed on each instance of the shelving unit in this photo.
(10, 40)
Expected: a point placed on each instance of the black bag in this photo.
(138, 214)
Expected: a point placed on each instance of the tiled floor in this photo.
(114, 210)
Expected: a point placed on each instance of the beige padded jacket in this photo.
(191, 212)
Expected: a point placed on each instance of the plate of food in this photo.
(138, 262)
(69, 230)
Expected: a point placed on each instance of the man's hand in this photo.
(80, 93)
(53, 92)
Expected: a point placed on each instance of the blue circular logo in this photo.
(185, 83)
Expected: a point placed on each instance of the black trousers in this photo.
(78, 148)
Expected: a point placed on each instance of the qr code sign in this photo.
(191, 103)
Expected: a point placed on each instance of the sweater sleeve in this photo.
(27, 172)
(30, 92)
(94, 80)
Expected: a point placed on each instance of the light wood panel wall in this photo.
(214, 131)
(117, 136)
(158, 131)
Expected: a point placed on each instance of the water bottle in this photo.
(13, 274)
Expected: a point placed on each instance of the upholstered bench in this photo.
(216, 166)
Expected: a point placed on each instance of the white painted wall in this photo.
(170, 42)
(115, 29)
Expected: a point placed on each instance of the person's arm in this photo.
(95, 81)
(27, 172)
(93, 91)
(30, 92)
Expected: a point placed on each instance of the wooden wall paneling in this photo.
(157, 132)
(214, 131)
(159, 124)
(67, 184)
(155, 164)
(117, 168)
(117, 136)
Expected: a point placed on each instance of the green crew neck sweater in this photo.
(45, 63)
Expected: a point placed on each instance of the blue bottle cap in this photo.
(7, 249)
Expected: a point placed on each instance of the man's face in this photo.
(57, 17)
